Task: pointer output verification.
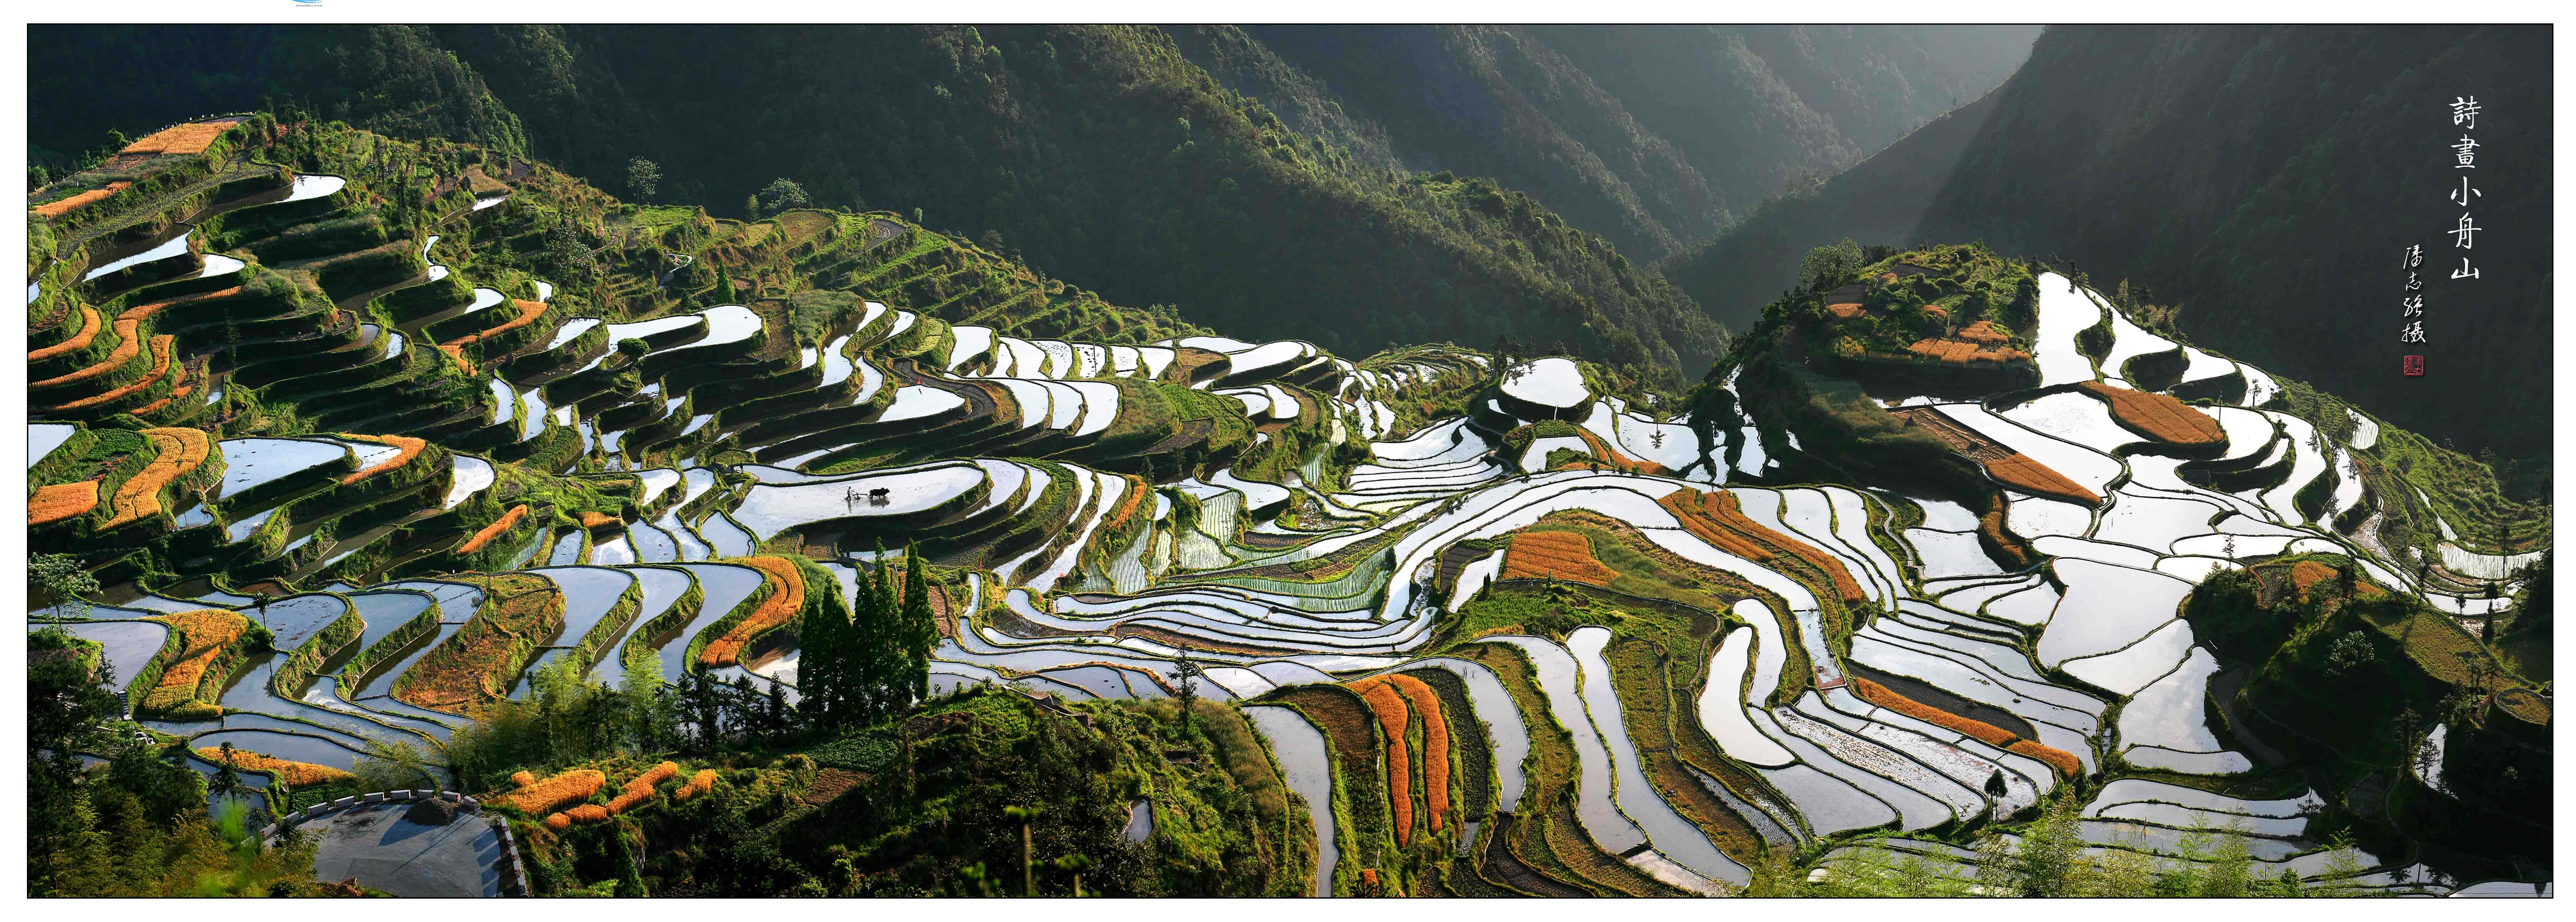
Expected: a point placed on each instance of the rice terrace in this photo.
(413, 517)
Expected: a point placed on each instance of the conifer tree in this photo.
(920, 628)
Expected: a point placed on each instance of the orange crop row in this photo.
(2308, 573)
(558, 822)
(162, 348)
(1958, 352)
(56, 208)
(190, 138)
(2065, 762)
(700, 783)
(1694, 510)
(1617, 459)
(2158, 416)
(1137, 490)
(410, 447)
(522, 778)
(178, 393)
(144, 311)
(88, 331)
(1990, 526)
(1727, 510)
(126, 346)
(785, 600)
(61, 501)
(1555, 555)
(204, 634)
(598, 520)
(1885, 697)
(1389, 708)
(494, 530)
(528, 311)
(458, 353)
(641, 789)
(2027, 474)
(294, 774)
(181, 450)
(543, 796)
(1435, 742)
(1985, 331)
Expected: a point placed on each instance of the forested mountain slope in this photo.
(1096, 153)
(2266, 180)
(1653, 136)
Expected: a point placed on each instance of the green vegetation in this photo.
(2230, 233)
(1099, 150)
(863, 667)
(2347, 679)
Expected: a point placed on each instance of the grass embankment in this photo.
(476, 664)
(293, 774)
(204, 648)
(780, 598)
(180, 452)
(1363, 805)
(499, 526)
(1665, 615)
(408, 448)
(1549, 839)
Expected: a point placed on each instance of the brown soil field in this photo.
(2157, 416)
(1554, 555)
(2026, 474)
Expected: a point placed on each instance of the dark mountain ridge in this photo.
(2265, 180)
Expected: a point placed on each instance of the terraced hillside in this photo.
(363, 439)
